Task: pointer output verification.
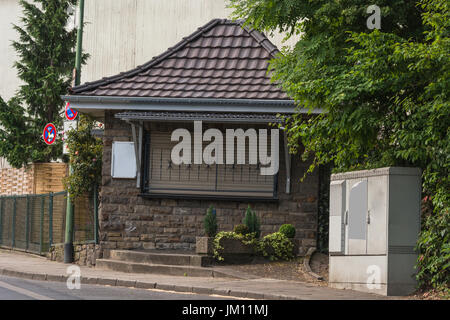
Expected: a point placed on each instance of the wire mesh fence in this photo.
(34, 222)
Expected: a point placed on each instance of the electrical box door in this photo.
(357, 218)
(337, 217)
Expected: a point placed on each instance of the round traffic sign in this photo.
(49, 133)
(70, 113)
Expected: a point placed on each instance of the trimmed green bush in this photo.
(277, 246)
(241, 229)
(252, 222)
(210, 222)
(288, 230)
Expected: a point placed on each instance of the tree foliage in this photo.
(210, 222)
(252, 221)
(46, 57)
(384, 94)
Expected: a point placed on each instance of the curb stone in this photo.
(107, 282)
(308, 267)
(126, 283)
(144, 285)
(166, 287)
(200, 290)
(86, 280)
(182, 289)
(39, 276)
(56, 278)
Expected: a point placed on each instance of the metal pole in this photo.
(79, 43)
(50, 220)
(13, 240)
(68, 245)
(41, 226)
(27, 224)
(95, 215)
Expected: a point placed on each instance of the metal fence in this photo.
(34, 222)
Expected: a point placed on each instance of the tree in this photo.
(210, 222)
(384, 93)
(252, 222)
(46, 60)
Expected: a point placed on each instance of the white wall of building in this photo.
(9, 82)
(123, 34)
(10, 12)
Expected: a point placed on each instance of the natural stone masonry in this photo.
(129, 221)
(84, 254)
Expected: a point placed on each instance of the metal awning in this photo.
(199, 116)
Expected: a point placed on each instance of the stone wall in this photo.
(129, 221)
(84, 254)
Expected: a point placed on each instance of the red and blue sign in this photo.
(49, 133)
(70, 113)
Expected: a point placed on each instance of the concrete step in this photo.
(173, 259)
(133, 267)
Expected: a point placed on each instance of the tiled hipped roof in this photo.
(221, 60)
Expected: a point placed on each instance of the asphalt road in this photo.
(23, 289)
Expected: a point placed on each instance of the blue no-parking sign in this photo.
(70, 113)
(49, 133)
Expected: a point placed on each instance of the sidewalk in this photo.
(17, 264)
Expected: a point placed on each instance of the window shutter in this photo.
(219, 179)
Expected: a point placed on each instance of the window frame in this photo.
(146, 192)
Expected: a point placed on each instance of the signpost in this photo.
(68, 241)
(49, 134)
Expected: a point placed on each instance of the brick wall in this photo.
(129, 221)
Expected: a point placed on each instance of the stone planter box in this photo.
(204, 245)
(234, 251)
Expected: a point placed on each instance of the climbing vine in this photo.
(85, 153)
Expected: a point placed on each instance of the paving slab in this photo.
(30, 266)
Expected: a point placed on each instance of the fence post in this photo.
(95, 215)
(50, 220)
(13, 240)
(27, 224)
(41, 225)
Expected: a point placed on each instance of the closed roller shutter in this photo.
(243, 180)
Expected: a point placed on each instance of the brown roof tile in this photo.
(220, 60)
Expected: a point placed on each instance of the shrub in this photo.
(277, 246)
(433, 265)
(288, 230)
(241, 229)
(210, 222)
(252, 222)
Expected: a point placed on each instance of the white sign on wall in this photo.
(123, 160)
(68, 125)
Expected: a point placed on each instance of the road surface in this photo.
(23, 289)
